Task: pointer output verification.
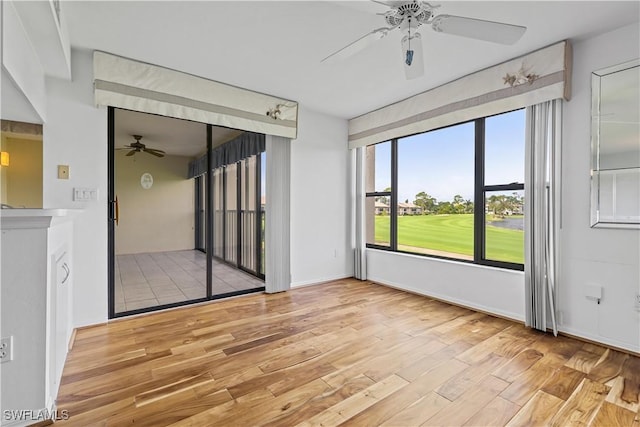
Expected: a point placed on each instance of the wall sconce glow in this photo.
(4, 158)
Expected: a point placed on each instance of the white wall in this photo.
(605, 257)
(320, 200)
(161, 218)
(484, 288)
(75, 134)
(20, 60)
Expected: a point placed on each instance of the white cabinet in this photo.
(36, 280)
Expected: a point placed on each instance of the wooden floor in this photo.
(347, 352)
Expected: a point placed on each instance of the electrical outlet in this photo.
(6, 349)
(63, 171)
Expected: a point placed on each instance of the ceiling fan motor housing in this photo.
(418, 12)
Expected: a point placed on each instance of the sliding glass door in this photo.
(179, 231)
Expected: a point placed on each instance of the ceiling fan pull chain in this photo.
(409, 53)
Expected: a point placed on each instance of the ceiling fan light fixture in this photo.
(137, 147)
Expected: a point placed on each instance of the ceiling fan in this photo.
(409, 15)
(137, 147)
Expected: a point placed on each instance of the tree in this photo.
(445, 208)
(498, 205)
(458, 204)
(426, 202)
(468, 206)
(515, 202)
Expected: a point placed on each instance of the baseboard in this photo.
(604, 342)
(318, 281)
(454, 301)
(72, 339)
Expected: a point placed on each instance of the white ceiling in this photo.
(275, 47)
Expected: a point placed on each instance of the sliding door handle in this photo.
(117, 211)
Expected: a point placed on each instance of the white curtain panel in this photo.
(278, 215)
(360, 261)
(542, 213)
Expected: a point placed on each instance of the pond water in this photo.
(510, 223)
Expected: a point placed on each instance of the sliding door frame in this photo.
(111, 214)
(209, 235)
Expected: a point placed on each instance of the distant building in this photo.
(409, 209)
(381, 208)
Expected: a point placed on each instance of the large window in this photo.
(435, 192)
(454, 193)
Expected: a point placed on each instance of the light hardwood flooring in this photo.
(342, 353)
(152, 279)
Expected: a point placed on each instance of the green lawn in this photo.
(452, 234)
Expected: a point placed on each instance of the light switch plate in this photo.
(85, 194)
(63, 171)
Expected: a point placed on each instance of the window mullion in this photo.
(479, 203)
(393, 209)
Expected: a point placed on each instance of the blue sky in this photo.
(441, 162)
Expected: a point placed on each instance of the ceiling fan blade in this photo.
(154, 149)
(131, 153)
(386, 3)
(157, 153)
(357, 45)
(495, 32)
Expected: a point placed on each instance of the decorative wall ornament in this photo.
(274, 113)
(520, 77)
(146, 180)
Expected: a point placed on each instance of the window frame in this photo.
(393, 200)
(479, 200)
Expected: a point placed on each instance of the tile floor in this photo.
(151, 279)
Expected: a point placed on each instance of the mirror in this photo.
(615, 146)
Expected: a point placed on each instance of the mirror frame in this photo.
(596, 77)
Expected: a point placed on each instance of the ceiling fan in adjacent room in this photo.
(137, 147)
(407, 16)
